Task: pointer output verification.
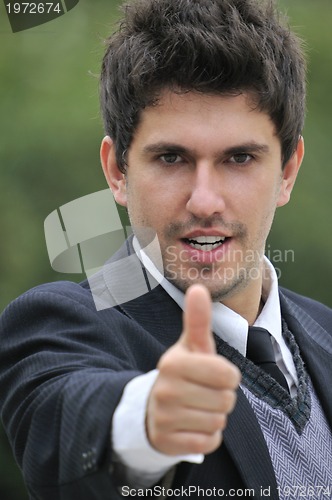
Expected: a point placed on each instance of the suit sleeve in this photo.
(63, 368)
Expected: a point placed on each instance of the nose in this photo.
(206, 197)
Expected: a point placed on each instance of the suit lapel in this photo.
(315, 345)
(124, 283)
(157, 313)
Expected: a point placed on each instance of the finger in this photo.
(185, 393)
(211, 400)
(214, 372)
(197, 335)
(191, 420)
(184, 443)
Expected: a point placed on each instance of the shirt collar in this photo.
(270, 316)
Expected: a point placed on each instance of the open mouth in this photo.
(205, 243)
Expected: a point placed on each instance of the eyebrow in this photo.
(161, 147)
(247, 147)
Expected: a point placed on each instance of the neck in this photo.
(248, 303)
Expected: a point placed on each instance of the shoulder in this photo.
(56, 328)
(64, 294)
(64, 313)
(305, 302)
(62, 306)
(321, 313)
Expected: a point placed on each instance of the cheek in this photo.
(145, 205)
(265, 193)
(259, 208)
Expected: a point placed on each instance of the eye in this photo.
(171, 158)
(241, 158)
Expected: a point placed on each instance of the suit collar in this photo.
(129, 287)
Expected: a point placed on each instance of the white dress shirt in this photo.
(141, 465)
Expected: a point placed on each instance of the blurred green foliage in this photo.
(50, 130)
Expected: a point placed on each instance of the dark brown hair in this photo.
(208, 46)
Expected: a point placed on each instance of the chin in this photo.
(219, 290)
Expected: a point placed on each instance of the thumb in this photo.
(197, 335)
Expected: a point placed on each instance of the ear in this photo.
(289, 174)
(115, 178)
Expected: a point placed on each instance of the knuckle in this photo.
(156, 438)
(229, 374)
(217, 421)
(166, 363)
(226, 400)
(232, 402)
(211, 443)
(159, 422)
(222, 421)
(229, 400)
(163, 421)
(235, 377)
(166, 390)
(170, 361)
(196, 443)
(162, 393)
(216, 441)
(202, 443)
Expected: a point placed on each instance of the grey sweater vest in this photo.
(302, 461)
(296, 431)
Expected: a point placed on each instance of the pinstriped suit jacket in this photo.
(63, 367)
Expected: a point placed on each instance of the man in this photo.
(203, 104)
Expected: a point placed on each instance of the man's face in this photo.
(205, 174)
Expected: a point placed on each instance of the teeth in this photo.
(206, 243)
(207, 239)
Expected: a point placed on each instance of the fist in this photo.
(195, 390)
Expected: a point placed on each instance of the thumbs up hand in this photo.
(196, 388)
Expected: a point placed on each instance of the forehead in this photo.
(205, 119)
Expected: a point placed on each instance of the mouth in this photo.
(205, 243)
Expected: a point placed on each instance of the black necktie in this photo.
(260, 351)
